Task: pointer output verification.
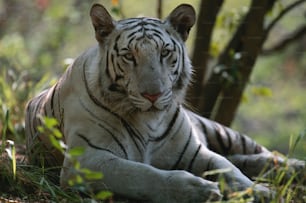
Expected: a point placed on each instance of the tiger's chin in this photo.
(154, 108)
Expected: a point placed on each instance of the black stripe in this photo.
(107, 65)
(116, 140)
(154, 30)
(229, 147)
(87, 109)
(37, 107)
(172, 134)
(203, 127)
(138, 135)
(156, 42)
(59, 101)
(190, 166)
(245, 163)
(52, 100)
(29, 118)
(242, 139)
(130, 41)
(97, 118)
(133, 135)
(92, 97)
(113, 62)
(182, 153)
(258, 149)
(134, 32)
(116, 44)
(220, 140)
(170, 126)
(92, 145)
(98, 103)
(121, 71)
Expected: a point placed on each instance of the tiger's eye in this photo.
(128, 56)
(165, 52)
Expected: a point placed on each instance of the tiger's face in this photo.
(146, 60)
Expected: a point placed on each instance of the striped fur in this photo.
(123, 102)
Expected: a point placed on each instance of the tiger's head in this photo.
(144, 59)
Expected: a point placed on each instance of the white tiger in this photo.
(123, 102)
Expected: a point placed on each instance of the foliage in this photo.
(29, 179)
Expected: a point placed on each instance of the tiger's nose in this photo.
(151, 97)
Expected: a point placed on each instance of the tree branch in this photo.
(296, 35)
(159, 9)
(280, 15)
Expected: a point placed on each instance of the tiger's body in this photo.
(123, 102)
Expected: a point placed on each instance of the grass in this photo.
(22, 182)
(35, 184)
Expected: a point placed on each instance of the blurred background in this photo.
(39, 38)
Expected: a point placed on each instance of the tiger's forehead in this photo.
(142, 25)
(136, 29)
(130, 22)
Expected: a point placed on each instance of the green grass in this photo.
(35, 184)
(21, 181)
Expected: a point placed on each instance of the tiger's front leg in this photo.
(234, 178)
(193, 156)
(268, 164)
(141, 181)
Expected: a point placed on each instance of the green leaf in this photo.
(92, 175)
(57, 133)
(55, 143)
(103, 195)
(216, 171)
(50, 122)
(77, 165)
(262, 91)
(40, 129)
(76, 151)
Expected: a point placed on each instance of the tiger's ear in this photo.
(102, 21)
(182, 18)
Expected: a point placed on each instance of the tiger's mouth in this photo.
(153, 102)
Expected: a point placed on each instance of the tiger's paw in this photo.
(262, 194)
(298, 168)
(287, 169)
(183, 187)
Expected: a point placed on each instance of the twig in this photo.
(297, 34)
(280, 15)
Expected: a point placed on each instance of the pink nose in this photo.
(151, 97)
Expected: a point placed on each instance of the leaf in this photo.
(92, 175)
(57, 133)
(55, 143)
(103, 195)
(76, 151)
(216, 171)
(262, 91)
(50, 122)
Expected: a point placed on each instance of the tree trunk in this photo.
(205, 24)
(221, 94)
